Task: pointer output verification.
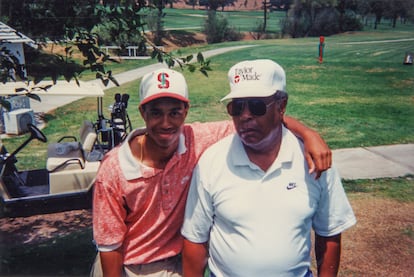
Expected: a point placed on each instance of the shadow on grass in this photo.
(182, 38)
(69, 255)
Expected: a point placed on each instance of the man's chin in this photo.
(165, 142)
(249, 140)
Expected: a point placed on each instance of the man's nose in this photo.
(245, 112)
(165, 121)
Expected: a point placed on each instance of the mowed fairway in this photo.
(361, 95)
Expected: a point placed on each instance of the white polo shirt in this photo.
(259, 223)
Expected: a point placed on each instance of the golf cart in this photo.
(66, 182)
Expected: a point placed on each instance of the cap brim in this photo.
(162, 95)
(246, 93)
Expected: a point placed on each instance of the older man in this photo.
(252, 202)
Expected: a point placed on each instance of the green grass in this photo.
(400, 189)
(243, 21)
(361, 95)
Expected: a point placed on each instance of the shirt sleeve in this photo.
(108, 209)
(198, 217)
(208, 133)
(334, 214)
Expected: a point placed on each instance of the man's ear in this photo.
(283, 105)
(141, 111)
(187, 107)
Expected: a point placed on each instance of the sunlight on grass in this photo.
(361, 95)
(401, 189)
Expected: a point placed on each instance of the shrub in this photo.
(294, 26)
(216, 28)
(326, 23)
(156, 25)
(110, 33)
(350, 22)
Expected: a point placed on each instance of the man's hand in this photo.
(318, 155)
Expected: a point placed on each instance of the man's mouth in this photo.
(247, 130)
(167, 133)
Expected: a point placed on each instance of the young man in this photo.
(252, 203)
(141, 187)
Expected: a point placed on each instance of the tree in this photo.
(192, 3)
(214, 5)
(31, 16)
(216, 28)
(124, 13)
(378, 8)
(321, 17)
(398, 9)
(363, 9)
(348, 20)
(158, 28)
(266, 6)
(280, 5)
(301, 17)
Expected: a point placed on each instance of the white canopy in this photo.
(10, 35)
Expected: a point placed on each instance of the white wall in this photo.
(17, 50)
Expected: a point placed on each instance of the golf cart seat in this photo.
(72, 154)
(73, 165)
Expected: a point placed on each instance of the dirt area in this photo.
(382, 241)
(41, 228)
(381, 244)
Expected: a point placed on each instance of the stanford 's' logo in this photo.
(163, 80)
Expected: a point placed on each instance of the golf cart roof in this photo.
(62, 88)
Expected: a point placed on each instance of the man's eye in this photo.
(155, 113)
(176, 114)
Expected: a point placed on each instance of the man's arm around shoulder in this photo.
(317, 153)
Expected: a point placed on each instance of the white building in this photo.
(13, 41)
(15, 120)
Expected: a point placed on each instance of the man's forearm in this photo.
(318, 155)
(299, 129)
(328, 255)
(112, 263)
(194, 258)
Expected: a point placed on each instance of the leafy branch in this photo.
(129, 27)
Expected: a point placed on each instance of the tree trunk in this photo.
(377, 21)
(264, 15)
(394, 21)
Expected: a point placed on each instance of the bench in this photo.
(132, 50)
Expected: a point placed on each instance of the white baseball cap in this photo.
(163, 83)
(255, 78)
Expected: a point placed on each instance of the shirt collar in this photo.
(240, 158)
(130, 166)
